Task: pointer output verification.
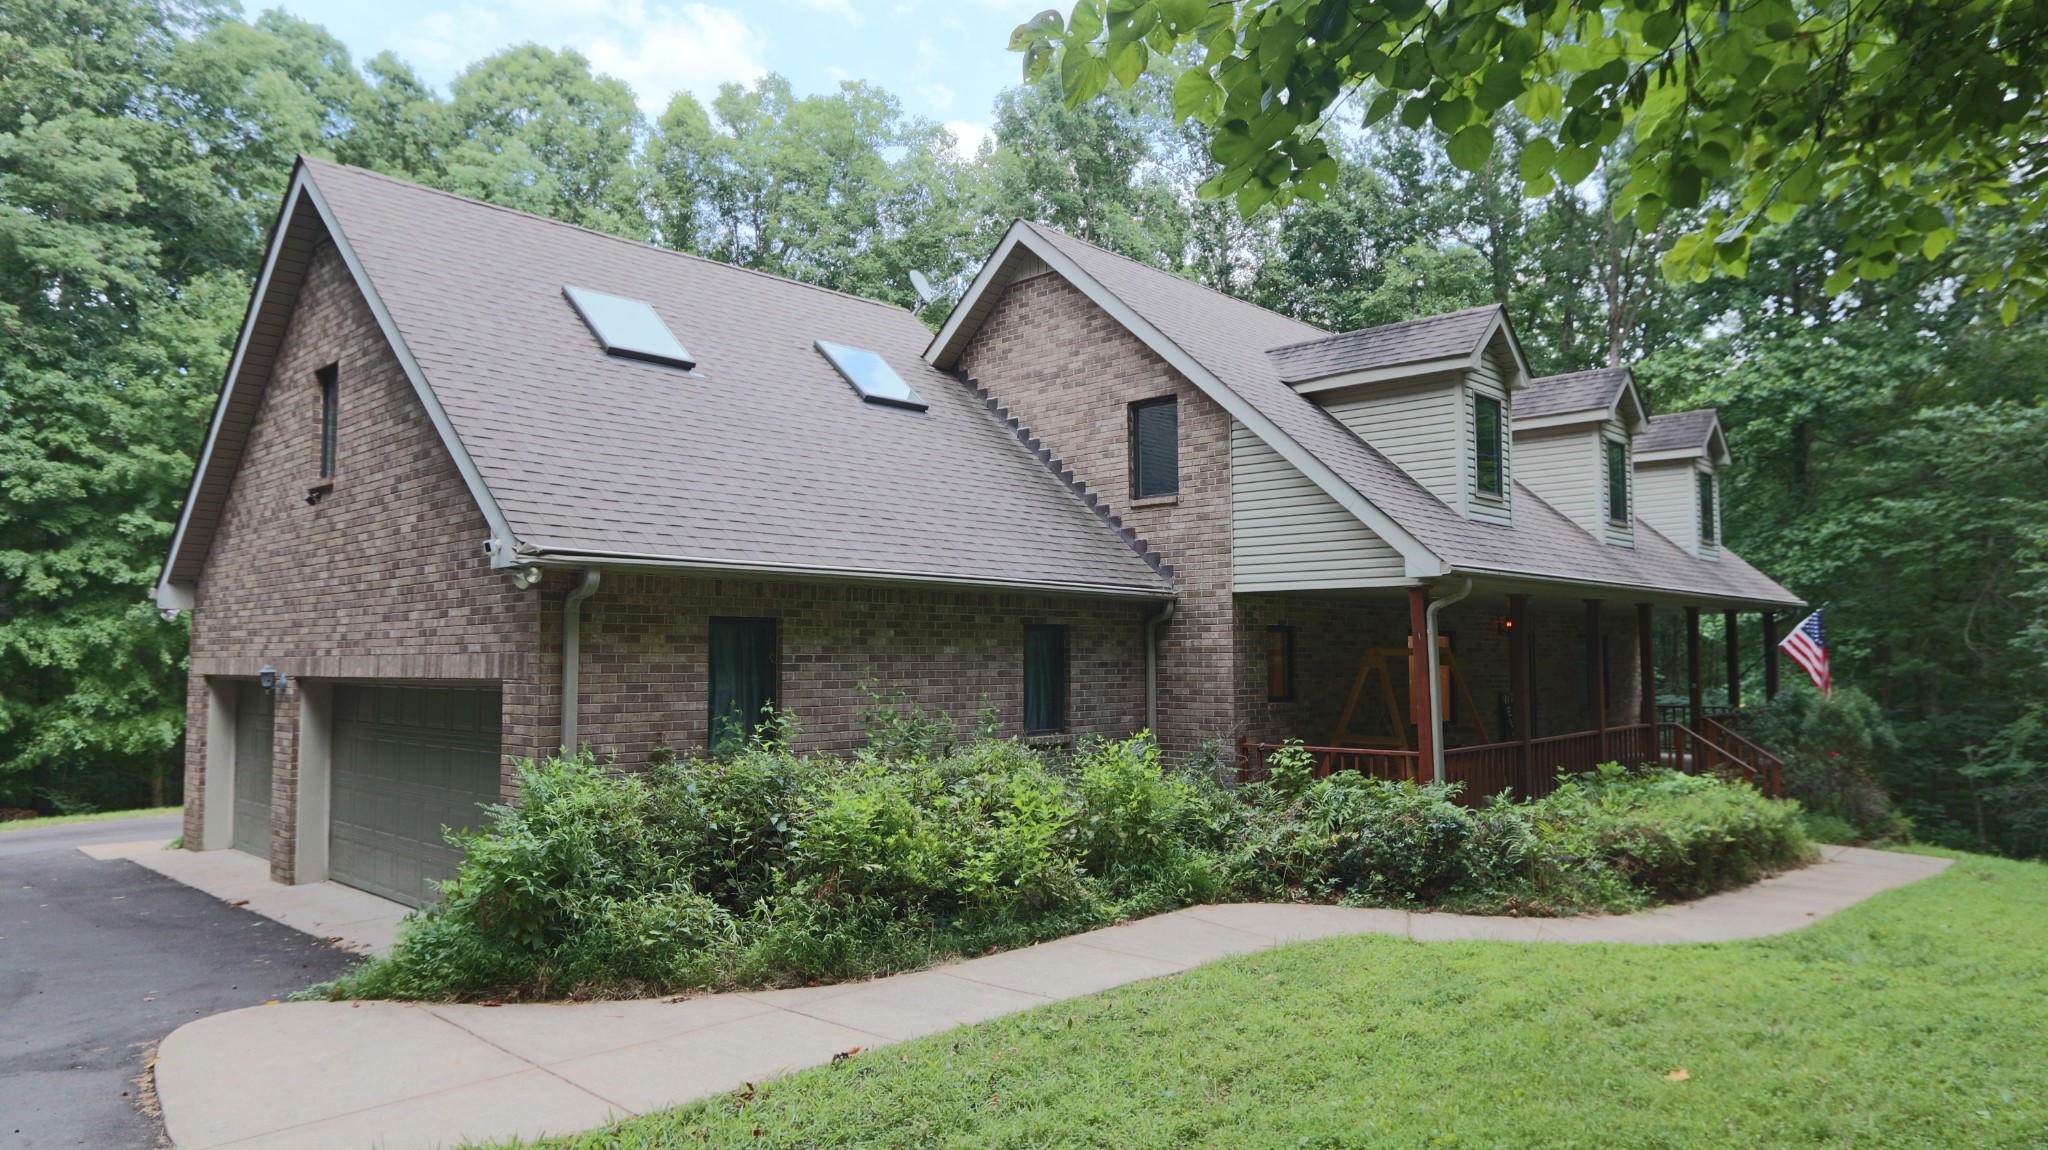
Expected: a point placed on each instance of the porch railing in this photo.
(1681, 713)
(1490, 768)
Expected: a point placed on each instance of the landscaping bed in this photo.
(768, 868)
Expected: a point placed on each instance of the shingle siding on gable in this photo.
(1288, 534)
(1069, 371)
(385, 578)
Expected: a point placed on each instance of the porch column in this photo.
(1646, 659)
(1734, 656)
(1695, 696)
(1596, 672)
(1519, 685)
(1419, 686)
(1770, 656)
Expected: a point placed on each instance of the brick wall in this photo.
(1069, 371)
(645, 642)
(385, 578)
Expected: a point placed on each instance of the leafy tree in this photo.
(1920, 113)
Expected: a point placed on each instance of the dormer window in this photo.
(1708, 525)
(1486, 432)
(1617, 482)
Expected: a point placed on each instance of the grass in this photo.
(1918, 1019)
(94, 817)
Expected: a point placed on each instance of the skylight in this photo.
(872, 376)
(628, 327)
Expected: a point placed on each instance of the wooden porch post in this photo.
(1646, 658)
(1770, 656)
(1696, 700)
(1596, 672)
(1519, 683)
(1419, 686)
(1734, 657)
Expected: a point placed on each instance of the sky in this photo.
(945, 59)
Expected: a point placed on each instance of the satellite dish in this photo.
(923, 286)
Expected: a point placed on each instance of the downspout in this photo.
(1436, 695)
(1152, 666)
(572, 655)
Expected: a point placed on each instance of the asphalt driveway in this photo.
(100, 960)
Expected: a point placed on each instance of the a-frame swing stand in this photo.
(1381, 662)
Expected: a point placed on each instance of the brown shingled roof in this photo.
(1392, 345)
(1577, 391)
(1679, 431)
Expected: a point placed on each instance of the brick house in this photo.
(480, 485)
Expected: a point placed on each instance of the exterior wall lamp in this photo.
(269, 679)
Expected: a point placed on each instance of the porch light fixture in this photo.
(268, 678)
(1504, 624)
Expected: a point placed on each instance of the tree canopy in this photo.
(1922, 115)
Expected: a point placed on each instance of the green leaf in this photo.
(1542, 103)
(1470, 147)
(1537, 156)
(1381, 105)
(1575, 164)
(1127, 61)
(1194, 93)
(1047, 25)
(1082, 74)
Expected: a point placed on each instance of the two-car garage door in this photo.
(407, 762)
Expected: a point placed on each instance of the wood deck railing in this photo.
(1490, 768)
(1682, 712)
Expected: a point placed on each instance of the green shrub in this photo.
(1835, 750)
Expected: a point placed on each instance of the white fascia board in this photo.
(1500, 324)
(1670, 455)
(1418, 561)
(1564, 419)
(983, 281)
(627, 560)
(1444, 366)
(179, 597)
(503, 554)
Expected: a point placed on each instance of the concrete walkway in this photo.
(349, 918)
(343, 1074)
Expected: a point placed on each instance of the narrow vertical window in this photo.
(743, 679)
(1486, 423)
(1045, 679)
(1617, 481)
(329, 411)
(1708, 524)
(1279, 664)
(1155, 448)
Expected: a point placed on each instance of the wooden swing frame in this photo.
(1381, 660)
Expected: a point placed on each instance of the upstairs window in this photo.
(1617, 481)
(743, 679)
(1486, 430)
(330, 410)
(1045, 679)
(1155, 448)
(1708, 524)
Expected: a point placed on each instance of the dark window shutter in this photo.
(742, 678)
(1155, 448)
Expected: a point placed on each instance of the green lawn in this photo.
(95, 817)
(1917, 1019)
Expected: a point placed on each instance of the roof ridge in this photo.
(414, 185)
(1578, 374)
(1399, 323)
(1036, 226)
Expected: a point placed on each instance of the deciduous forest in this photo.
(1890, 437)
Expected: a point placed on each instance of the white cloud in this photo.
(968, 135)
(657, 48)
(843, 9)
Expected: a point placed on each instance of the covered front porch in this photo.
(1531, 684)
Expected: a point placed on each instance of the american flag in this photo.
(1808, 646)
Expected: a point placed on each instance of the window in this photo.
(330, 407)
(1707, 516)
(872, 376)
(1486, 444)
(1155, 448)
(743, 664)
(628, 328)
(1279, 664)
(1045, 679)
(1617, 481)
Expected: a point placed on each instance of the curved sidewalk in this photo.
(398, 1076)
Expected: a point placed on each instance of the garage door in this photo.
(408, 761)
(252, 769)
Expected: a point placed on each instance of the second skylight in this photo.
(872, 376)
(628, 327)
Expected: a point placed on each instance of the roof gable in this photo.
(1455, 341)
(1581, 397)
(1683, 435)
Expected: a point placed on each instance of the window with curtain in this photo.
(1486, 428)
(1617, 481)
(1707, 516)
(1045, 679)
(1279, 664)
(330, 410)
(1155, 448)
(743, 678)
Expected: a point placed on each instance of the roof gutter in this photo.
(563, 557)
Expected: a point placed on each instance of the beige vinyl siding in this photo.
(1417, 425)
(1667, 498)
(1556, 464)
(1487, 379)
(1287, 534)
(1620, 534)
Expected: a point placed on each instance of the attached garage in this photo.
(253, 766)
(408, 761)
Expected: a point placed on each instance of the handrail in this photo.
(1389, 764)
(1767, 765)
